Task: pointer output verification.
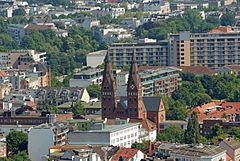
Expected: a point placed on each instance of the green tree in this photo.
(78, 109)
(19, 12)
(141, 146)
(94, 91)
(216, 130)
(191, 135)
(172, 134)
(16, 142)
(228, 19)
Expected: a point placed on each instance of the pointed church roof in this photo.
(108, 68)
(133, 73)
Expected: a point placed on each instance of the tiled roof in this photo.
(126, 153)
(216, 110)
(234, 67)
(200, 70)
(232, 143)
(201, 151)
(152, 103)
(38, 27)
(3, 74)
(222, 29)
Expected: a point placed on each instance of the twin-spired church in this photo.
(146, 109)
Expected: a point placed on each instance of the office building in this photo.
(148, 52)
(122, 134)
(218, 48)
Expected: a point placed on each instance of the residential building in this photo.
(130, 23)
(17, 32)
(3, 150)
(121, 134)
(207, 124)
(156, 7)
(198, 152)
(227, 110)
(156, 80)
(111, 33)
(128, 154)
(88, 23)
(58, 96)
(20, 59)
(95, 59)
(230, 69)
(148, 52)
(82, 152)
(177, 123)
(42, 137)
(134, 105)
(233, 148)
(190, 49)
(198, 70)
(87, 77)
(113, 12)
(5, 89)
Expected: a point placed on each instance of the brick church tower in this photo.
(134, 91)
(109, 103)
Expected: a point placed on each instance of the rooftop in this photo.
(216, 109)
(126, 153)
(232, 143)
(98, 53)
(199, 70)
(198, 151)
(221, 29)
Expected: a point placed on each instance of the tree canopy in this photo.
(16, 142)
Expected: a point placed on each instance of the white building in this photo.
(157, 7)
(88, 23)
(95, 59)
(122, 134)
(198, 153)
(41, 137)
(87, 77)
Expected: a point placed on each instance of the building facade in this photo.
(147, 53)
(123, 135)
(155, 80)
(87, 77)
(134, 105)
(215, 49)
(51, 134)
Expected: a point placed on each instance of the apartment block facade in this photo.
(147, 53)
(214, 49)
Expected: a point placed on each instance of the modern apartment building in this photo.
(87, 77)
(156, 80)
(148, 52)
(218, 48)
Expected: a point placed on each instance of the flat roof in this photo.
(98, 53)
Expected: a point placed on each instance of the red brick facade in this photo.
(133, 106)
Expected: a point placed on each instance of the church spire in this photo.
(108, 90)
(134, 69)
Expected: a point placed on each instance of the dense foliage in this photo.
(20, 156)
(191, 134)
(78, 109)
(94, 91)
(172, 134)
(191, 21)
(198, 90)
(16, 142)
